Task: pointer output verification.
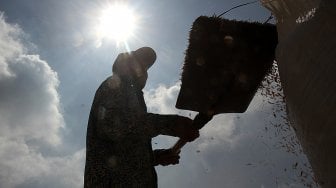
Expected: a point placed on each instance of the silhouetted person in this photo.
(118, 146)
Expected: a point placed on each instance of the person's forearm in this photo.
(163, 124)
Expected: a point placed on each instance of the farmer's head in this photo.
(135, 64)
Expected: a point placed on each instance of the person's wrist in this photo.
(156, 157)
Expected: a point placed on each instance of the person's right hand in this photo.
(185, 130)
(165, 157)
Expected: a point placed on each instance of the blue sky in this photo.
(50, 67)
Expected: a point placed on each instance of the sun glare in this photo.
(116, 22)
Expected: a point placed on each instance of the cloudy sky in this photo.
(52, 61)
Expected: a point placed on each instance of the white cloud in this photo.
(9, 46)
(31, 119)
(22, 165)
(162, 99)
(29, 101)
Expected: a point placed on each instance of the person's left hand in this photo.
(165, 157)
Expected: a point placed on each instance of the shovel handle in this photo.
(178, 145)
(199, 121)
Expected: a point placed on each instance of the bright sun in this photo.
(116, 22)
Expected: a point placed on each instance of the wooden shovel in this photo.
(224, 65)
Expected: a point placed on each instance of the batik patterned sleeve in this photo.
(121, 111)
(108, 112)
(163, 124)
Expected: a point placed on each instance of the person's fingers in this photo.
(192, 135)
(171, 152)
(168, 157)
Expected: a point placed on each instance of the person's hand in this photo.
(165, 157)
(185, 130)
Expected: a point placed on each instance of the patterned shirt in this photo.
(118, 146)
